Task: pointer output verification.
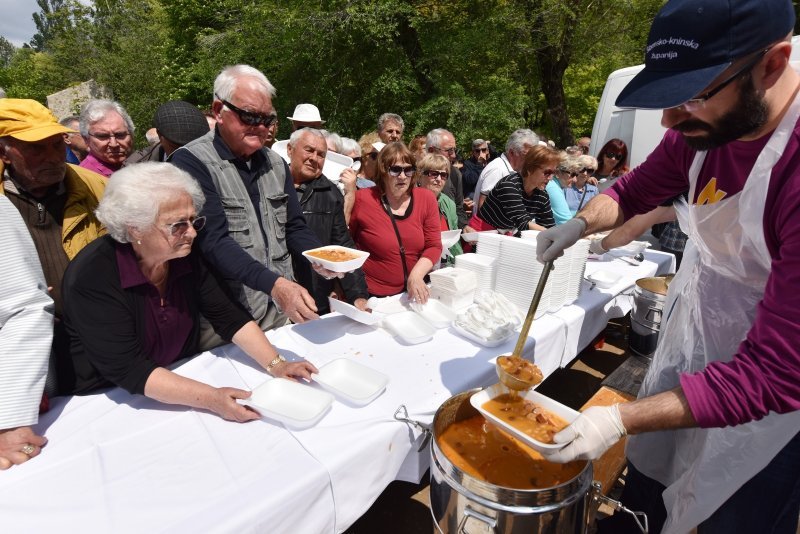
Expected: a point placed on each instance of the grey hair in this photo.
(2, 93)
(66, 121)
(569, 163)
(588, 161)
(134, 195)
(95, 110)
(434, 138)
(350, 145)
(297, 134)
(517, 140)
(227, 80)
(336, 138)
(386, 117)
(477, 142)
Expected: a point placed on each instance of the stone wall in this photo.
(69, 101)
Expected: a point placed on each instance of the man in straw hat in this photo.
(56, 200)
(714, 434)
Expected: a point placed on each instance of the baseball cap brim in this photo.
(38, 133)
(659, 89)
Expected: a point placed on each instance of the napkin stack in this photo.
(453, 286)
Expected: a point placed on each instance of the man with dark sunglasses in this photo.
(474, 165)
(254, 220)
(717, 422)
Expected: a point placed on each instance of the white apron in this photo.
(710, 307)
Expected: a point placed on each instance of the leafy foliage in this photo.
(481, 69)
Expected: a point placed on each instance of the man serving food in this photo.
(715, 440)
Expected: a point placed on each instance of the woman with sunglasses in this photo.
(611, 163)
(432, 172)
(519, 201)
(582, 190)
(398, 224)
(133, 298)
(565, 175)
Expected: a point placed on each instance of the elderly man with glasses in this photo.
(716, 428)
(255, 222)
(441, 141)
(108, 131)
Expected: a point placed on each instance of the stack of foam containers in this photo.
(484, 267)
(454, 287)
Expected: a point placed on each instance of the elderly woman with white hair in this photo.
(108, 131)
(133, 298)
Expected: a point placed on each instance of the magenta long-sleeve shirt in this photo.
(764, 374)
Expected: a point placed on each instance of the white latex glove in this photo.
(596, 247)
(589, 436)
(551, 243)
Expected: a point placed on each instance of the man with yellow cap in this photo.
(56, 200)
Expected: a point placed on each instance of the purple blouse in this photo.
(93, 164)
(168, 321)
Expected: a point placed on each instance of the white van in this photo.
(640, 128)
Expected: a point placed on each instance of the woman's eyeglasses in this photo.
(373, 156)
(587, 170)
(547, 172)
(397, 170)
(612, 155)
(181, 227)
(436, 174)
(571, 173)
(251, 118)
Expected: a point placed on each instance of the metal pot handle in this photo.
(599, 498)
(401, 414)
(483, 518)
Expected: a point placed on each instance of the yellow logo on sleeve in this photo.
(709, 194)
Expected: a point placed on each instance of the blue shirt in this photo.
(558, 202)
(574, 197)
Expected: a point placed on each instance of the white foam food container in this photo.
(472, 237)
(338, 266)
(354, 313)
(293, 404)
(604, 279)
(565, 412)
(435, 312)
(450, 238)
(351, 381)
(494, 341)
(409, 327)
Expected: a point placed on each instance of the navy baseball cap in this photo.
(692, 41)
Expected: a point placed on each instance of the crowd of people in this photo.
(119, 263)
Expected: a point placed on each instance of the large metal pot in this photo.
(461, 503)
(649, 295)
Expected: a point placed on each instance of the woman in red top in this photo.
(398, 224)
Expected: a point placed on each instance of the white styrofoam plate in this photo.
(338, 266)
(486, 342)
(472, 237)
(293, 404)
(565, 412)
(450, 238)
(604, 279)
(409, 327)
(354, 313)
(351, 381)
(435, 312)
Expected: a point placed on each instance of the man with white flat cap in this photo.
(306, 116)
(715, 441)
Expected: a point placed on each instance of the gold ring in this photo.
(27, 449)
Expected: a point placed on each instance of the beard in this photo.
(746, 117)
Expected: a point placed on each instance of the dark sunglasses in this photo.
(480, 150)
(587, 170)
(436, 174)
(547, 172)
(373, 156)
(181, 227)
(572, 174)
(613, 156)
(397, 170)
(251, 118)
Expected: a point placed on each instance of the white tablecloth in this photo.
(122, 463)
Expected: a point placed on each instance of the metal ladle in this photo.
(509, 380)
